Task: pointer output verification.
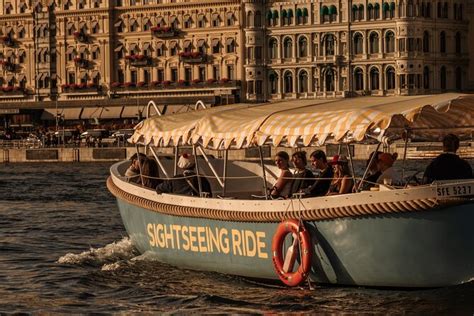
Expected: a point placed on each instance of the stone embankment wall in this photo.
(359, 152)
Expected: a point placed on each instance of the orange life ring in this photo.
(302, 241)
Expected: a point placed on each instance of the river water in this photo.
(63, 249)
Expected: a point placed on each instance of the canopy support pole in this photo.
(349, 153)
(405, 148)
(211, 166)
(224, 172)
(158, 161)
(175, 167)
(197, 170)
(367, 168)
(260, 153)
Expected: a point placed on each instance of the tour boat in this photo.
(410, 236)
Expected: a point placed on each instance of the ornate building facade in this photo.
(85, 57)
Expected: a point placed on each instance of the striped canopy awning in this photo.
(311, 122)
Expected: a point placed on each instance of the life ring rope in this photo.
(300, 248)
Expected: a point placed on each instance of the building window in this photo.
(71, 78)
(202, 73)
(258, 52)
(161, 75)
(329, 45)
(187, 22)
(426, 42)
(230, 19)
(201, 21)
(288, 82)
(390, 77)
(303, 82)
(302, 47)
(230, 72)
(273, 78)
(358, 44)
(273, 48)
(133, 76)
(426, 78)
(216, 74)
(258, 19)
(359, 79)
(329, 80)
(389, 42)
(442, 42)
(174, 75)
(287, 48)
(443, 78)
(230, 45)
(216, 21)
(146, 76)
(458, 43)
(374, 79)
(374, 43)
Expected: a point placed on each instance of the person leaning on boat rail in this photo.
(342, 181)
(303, 177)
(448, 165)
(187, 182)
(133, 171)
(385, 163)
(282, 187)
(321, 185)
(150, 173)
(374, 173)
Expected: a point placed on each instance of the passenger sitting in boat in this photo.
(282, 187)
(320, 186)
(150, 173)
(187, 182)
(385, 166)
(133, 171)
(342, 182)
(373, 173)
(448, 165)
(303, 177)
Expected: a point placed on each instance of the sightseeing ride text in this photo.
(206, 239)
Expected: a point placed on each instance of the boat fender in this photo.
(300, 249)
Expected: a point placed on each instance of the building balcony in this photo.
(81, 88)
(192, 57)
(169, 85)
(8, 66)
(164, 32)
(81, 62)
(139, 60)
(7, 41)
(81, 37)
(12, 91)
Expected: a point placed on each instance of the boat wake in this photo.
(107, 256)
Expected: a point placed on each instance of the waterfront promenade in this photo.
(103, 154)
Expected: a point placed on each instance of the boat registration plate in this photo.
(455, 190)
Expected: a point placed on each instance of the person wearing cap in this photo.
(385, 163)
(342, 181)
(133, 171)
(185, 183)
(373, 172)
(448, 165)
(319, 187)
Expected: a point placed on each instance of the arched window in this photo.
(386, 10)
(443, 78)
(258, 19)
(374, 79)
(426, 42)
(428, 10)
(410, 8)
(273, 48)
(287, 48)
(392, 10)
(302, 47)
(325, 14)
(389, 42)
(376, 11)
(288, 82)
(289, 17)
(250, 19)
(329, 80)
(439, 9)
(355, 13)
(458, 79)
(445, 10)
(284, 16)
(442, 42)
(458, 43)
(359, 79)
(358, 44)
(426, 78)
(332, 13)
(370, 11)
(273, 78)
(361, 12)
(374, 43)
(329, 45)
(390, 78)
(303, 82)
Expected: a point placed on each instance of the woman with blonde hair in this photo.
(342, 181)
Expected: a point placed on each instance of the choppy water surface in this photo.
(63, 249)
